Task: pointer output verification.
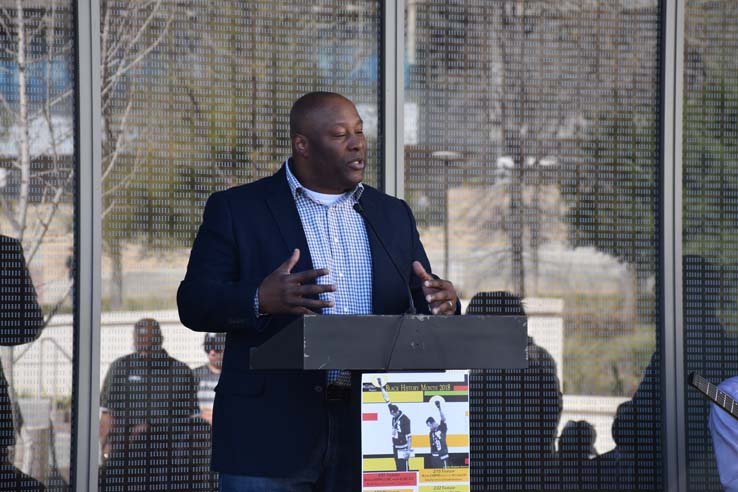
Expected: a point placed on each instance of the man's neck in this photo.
(307, 181)
(214, 369)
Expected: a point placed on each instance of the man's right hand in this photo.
(283, 292)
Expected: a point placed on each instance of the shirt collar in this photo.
(296, 187)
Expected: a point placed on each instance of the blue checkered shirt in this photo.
(337, 239)
(336, 236)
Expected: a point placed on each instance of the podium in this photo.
(402, 343)
(396, 343)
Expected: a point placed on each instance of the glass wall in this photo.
(532, 165)
(38, 169)
(195, 99)
(710, 187)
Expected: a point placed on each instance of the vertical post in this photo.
(445, 219)
(88, 249)
(672, 365)
(446, 156)
(392, 128)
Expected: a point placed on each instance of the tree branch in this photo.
(45, 223)
(7, 211)
(117, 143)
(125, 68)
(7, 107)
(55, 309)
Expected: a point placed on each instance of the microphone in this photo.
(411, 308)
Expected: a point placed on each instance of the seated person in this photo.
(724, 431)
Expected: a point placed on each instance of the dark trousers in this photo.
(401, 464)
(332, 466)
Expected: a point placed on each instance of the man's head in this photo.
(147, 336)
(328, 142)
(214, 345)
(498, 303)
(431, 423)
(394, 410)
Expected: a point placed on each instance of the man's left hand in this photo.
(440, 294)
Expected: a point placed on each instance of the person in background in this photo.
(724, 431)
(150, 431)
(147, 387)
(522, 407)
(207, 375)
(21, 321)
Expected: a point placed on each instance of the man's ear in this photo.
(301, 144)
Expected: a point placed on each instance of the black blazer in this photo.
(266, 423)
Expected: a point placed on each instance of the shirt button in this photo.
(345, 310)
(318, 389)
(340, 275)
(335, 241)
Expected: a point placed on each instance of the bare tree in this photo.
(36, 49)
(131, 33)
(38, 124)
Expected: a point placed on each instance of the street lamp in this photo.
(446, 156)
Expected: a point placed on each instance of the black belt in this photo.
(335, 392)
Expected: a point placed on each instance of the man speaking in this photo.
(310, 239)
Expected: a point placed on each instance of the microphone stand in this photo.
(411, 303)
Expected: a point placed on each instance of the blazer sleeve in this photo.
(212, 296)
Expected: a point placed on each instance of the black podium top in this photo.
(417, 342)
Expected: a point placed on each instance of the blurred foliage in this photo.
(605, 352)
(611, 366)
(211, 104)
(614, 195)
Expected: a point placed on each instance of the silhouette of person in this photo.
(520, 409)
(708, 350)
(21, 322)
(150, 430)
(576, 448)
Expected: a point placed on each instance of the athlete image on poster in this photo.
(415, 432)
(401, 436)
(437, 439)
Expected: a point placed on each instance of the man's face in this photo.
(215, 357)
(432, 425)
(336, 146)
(146, 339)
(394, 413)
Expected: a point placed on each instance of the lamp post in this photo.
(446, 156)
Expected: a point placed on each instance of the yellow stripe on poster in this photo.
(379, 464)
(444, 488)
(394, 397)
(430, 475)
(452, 440)
(388, 464)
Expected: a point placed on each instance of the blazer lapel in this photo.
(380, 262)
(282, 206)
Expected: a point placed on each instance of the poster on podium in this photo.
(415, 431)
